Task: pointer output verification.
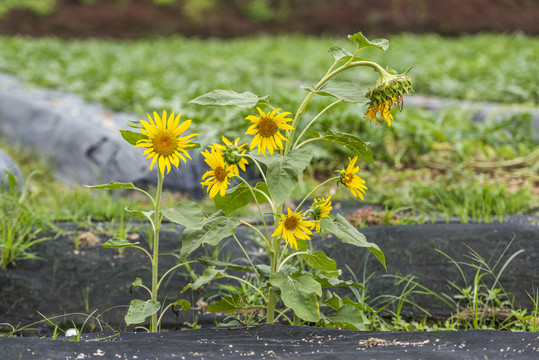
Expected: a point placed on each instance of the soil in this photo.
(138, 18)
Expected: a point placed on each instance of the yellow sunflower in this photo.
(384, 108)
(320, 209)
(354, 182)
(164, 144)
(231, 153)
(266, 128)
(292, 226)
(217, 177)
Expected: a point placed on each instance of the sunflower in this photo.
(292, 226)
(266, 130)
(354, 182)
(387, 93)
(164, 144)
(217, 177)
(320, 209)
(231, 153)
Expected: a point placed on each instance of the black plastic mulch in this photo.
(279, 342)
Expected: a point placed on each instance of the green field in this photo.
(424, 160)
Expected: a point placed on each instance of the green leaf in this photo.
(214, 229)
(146, 214)
(333, 281)
(207, 276)
(349, 235)
(184, 304)
(349, 317)
(320, 261)
(332, 300)
(228, 97)
(134, 124)
(362, 42)
(343, 90)
(283, 173)
(299, 294)
(341, 54)
(228, 304)
(113, 186)
(139, 310)
(239, 196)
(137, 282)
(117, 242)
(132, 137)
(359, 148)
(207, 261)
(186, 213)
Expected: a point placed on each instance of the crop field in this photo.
(426, 161)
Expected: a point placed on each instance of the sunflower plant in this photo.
(161, 137)
(297, 280)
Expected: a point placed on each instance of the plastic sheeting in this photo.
(281, 342)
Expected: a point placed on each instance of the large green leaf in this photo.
(299, 294)
(118, 243)
(343, 90)
(341, 54)
(283, 173)
(229, 98)
(228, 304)
(207, 276)
(239, 196)
(132, 137)
(186, 213)
(113, 186)
(146, 214)
(139, 310)
(349, 235)
(349, 317)
(362, 42)
(359, 148)
(214, 229)
(207, 261)
(320, 261)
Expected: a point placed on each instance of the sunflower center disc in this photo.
(267, 127)
(164, 143)
(220, 174)
(290, 223)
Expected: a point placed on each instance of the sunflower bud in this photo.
(388, 92)
(232, 155)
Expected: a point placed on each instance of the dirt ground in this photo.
(138, 18)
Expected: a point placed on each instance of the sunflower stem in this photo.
(316, 188)
(155, 264)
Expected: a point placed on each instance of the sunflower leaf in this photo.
(139, 310)
(132, 137)
(320, 261)
(341, 54)
(362, 42)
(283, 173)
(359, 148)
(349, 317)
(118, 243)
(299, 294)
(349, 235)
(342, 90)
(207, 276)
(113, 186)
(230, 98)
(187, 213)
(214, 229)
(239, 196)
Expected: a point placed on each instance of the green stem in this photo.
(258, 205)
(303, 106)
(155, 265)
(313, 120)
(170, 270)
(316, 188)
(247, 256)
(289, 257)
(258, 166)
(274, 258)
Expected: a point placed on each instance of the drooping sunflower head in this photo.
(387, 93)
(163, 141)
(217, 178)
(266, 128)
(294, 226)
(349, 178)
(231, 153)
(320, 209)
